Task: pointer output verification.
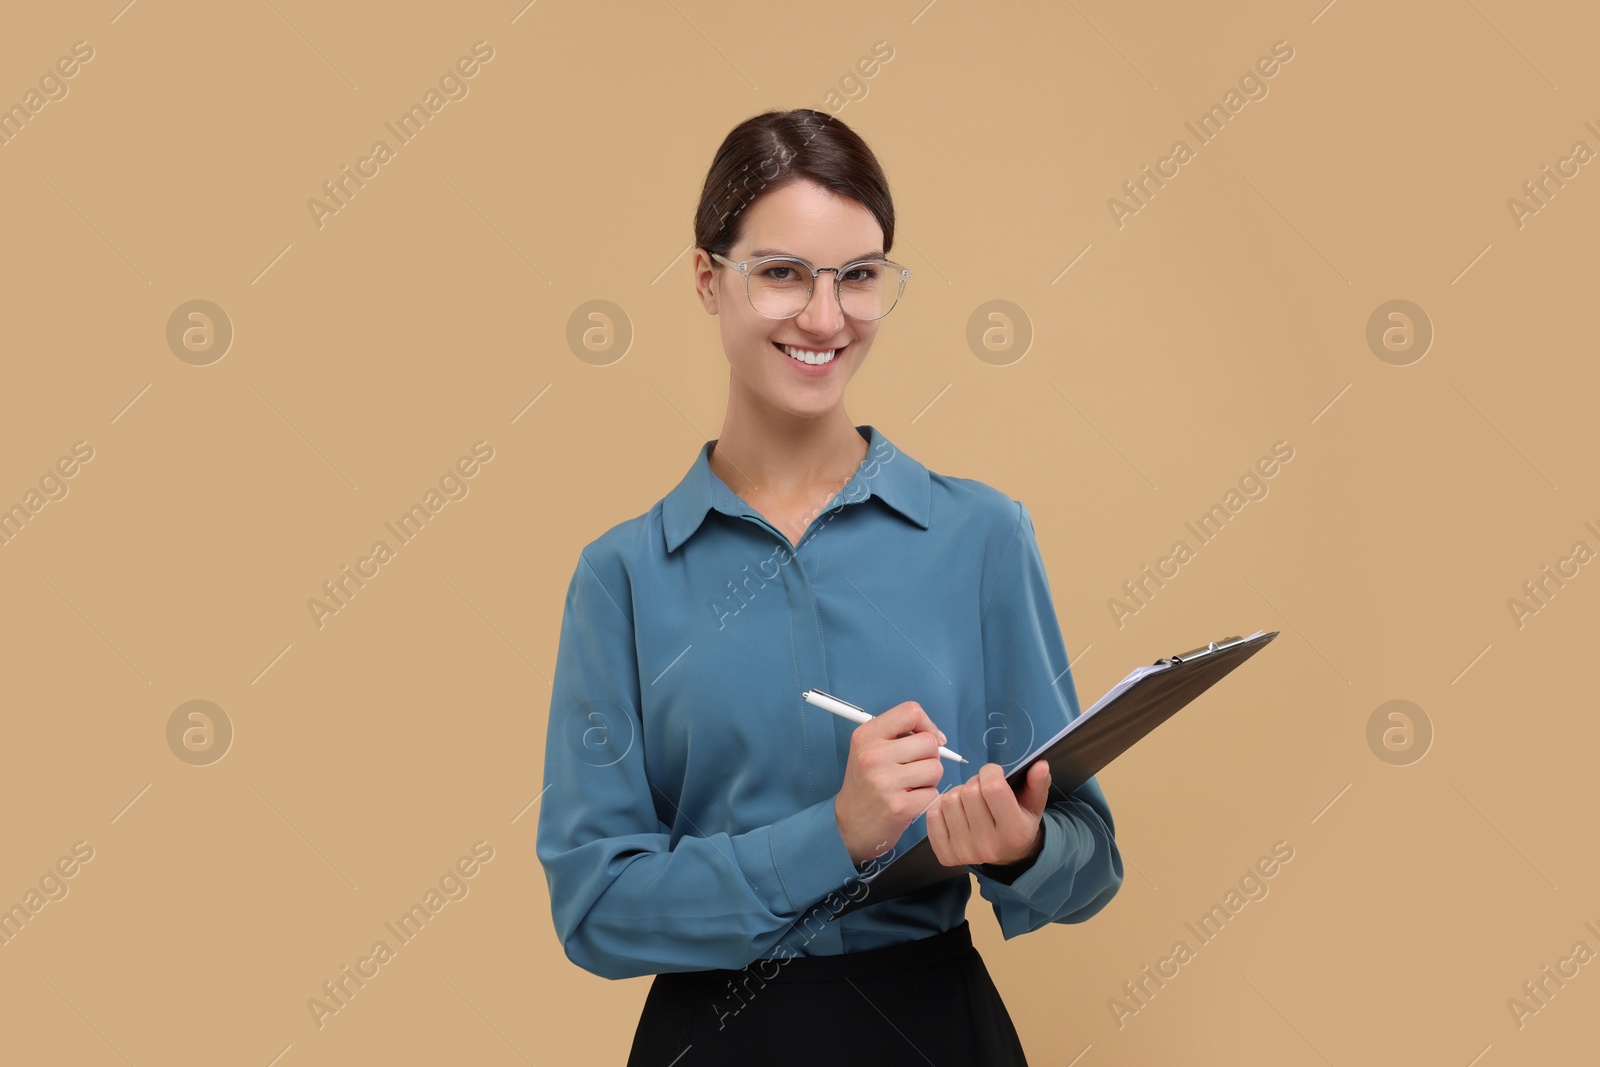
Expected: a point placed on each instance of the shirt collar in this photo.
(896, 479)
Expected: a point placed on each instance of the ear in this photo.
(704, 272)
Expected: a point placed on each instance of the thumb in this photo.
(1036, 791)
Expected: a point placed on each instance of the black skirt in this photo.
(929, 1001)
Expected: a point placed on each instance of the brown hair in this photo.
(776, 148)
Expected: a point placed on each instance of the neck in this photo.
(784, 456)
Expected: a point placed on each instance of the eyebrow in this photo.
(760, 253)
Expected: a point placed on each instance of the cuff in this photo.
(808, 855)
(1046, 863)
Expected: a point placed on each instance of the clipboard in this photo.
(1129, 710)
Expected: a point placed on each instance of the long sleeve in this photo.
(1079, 869)
(626, 900)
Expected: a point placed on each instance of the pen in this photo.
(846, 710)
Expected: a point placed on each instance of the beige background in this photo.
(1230, 312)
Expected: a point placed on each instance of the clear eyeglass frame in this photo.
(745, 268)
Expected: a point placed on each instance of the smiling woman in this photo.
(697, 809)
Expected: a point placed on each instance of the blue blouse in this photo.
(687, 821)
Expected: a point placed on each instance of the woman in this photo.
(702, 822)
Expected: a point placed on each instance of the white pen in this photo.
(846, 710)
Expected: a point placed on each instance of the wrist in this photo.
(1010, 872)
(1033, 850)
(855, 853)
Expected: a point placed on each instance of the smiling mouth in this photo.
(810, 357)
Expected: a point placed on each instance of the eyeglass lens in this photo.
(779, 289)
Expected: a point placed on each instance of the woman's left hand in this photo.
(983, 821)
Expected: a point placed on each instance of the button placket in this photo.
(820, 744)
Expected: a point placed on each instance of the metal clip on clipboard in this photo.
(1204, 650)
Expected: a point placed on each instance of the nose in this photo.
(822, 314)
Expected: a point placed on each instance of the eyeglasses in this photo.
(780, 287)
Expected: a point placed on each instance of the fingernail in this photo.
(942, 737)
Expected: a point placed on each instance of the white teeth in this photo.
(816, 359)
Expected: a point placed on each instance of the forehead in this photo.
(806, 220)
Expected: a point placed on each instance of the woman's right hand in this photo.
(888, 779)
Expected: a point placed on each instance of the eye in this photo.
(862, 275)
(783, 273)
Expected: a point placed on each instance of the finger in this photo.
(900, 719)
(976, 799)
(918, 748)
(939, 835)
(901, 746)
(923, 798)
(1036, 792)
(925, 724)
(1010, 824)
(935, 802)
(1010, 818)
(905, 718)
(914, 773)
(954, 814)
